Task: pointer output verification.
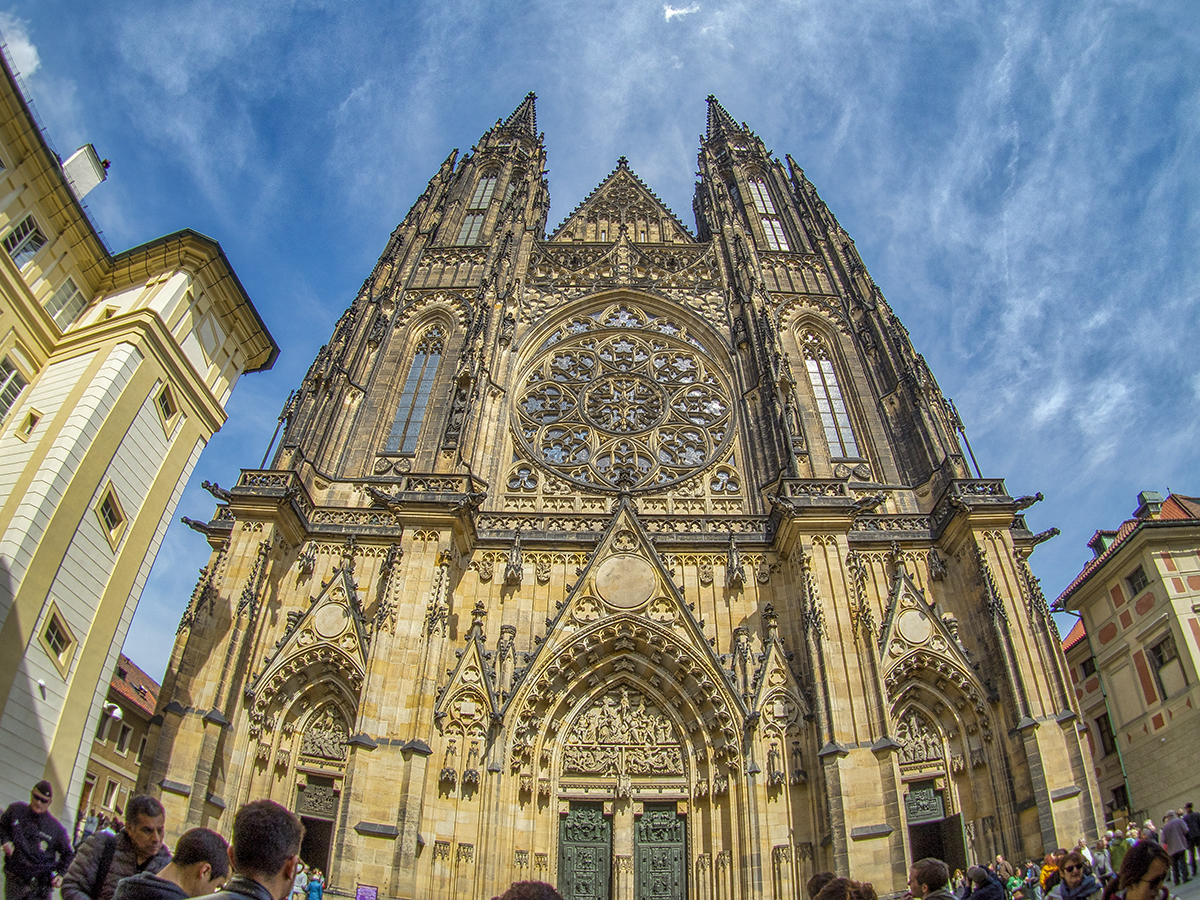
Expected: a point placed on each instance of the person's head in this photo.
(1143, 871)
(145, 823)
(266, 845)
(978, 875)
(845, 889)
(1168, 816)
(1188, 807)
(927, 875)
(201, 862)
(530, 890)
(818, 881)
(1072, 868)
(40, 796)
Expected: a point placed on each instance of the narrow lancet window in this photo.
(771, 223)
(417, 388)
(831, 405)
(477, 210)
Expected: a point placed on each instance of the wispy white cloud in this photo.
(671, 12)
(20, 48)
(1022, 185)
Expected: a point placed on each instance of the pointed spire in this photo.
(719, 121)
(524, 117)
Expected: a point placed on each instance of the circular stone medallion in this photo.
(625, 581)
(330, 620)
(914, 625)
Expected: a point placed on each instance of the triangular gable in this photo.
(621, 192)
(625, 576)
(469, 695)
(775, 677)
(333, 620)
(911, 625)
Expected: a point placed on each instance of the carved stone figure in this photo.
(325, 736)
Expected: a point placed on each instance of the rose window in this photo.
(623, 398)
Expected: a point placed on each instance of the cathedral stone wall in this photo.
(634, 560)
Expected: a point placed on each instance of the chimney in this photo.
(1149, 505)
(84, 170)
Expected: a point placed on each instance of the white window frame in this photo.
(65, 304)
(124, 734)
(1158, 664)
(21, 240)
(112, 793)
(12, 383)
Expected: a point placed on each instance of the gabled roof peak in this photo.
(621, 166)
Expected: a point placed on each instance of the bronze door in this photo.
(660, 848)
(584, 852)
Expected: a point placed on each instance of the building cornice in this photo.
(1138, 536)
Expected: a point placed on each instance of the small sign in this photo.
(923, 804)
(366, 892)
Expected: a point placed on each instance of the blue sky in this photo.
(1021, 178)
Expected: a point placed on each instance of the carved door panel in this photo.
(660, 848)
(584, 853)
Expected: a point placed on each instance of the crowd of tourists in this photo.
(263, 863)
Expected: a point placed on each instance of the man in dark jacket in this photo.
(1191, 818)
(37, 850)
(984, 885)
(104, 859)
(265, 853)
(200, 866)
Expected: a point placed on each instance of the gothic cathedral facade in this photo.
(640, 561)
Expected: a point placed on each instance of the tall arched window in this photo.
(831, 405)
(417, 387)
(771, 223)
(477, 209)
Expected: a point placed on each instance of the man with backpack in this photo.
(104, 859)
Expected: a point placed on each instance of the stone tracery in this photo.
(624, 396)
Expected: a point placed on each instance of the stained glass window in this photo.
(417, 387)
(831, 405)
(772, 226)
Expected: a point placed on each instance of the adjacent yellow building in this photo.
(1135, 658)
(114, 373)
(119, 744)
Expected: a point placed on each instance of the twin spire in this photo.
(720, 122)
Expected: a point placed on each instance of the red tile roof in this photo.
(127, 687)
(1074, 636)
(1176, 509)
(1176, 506)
